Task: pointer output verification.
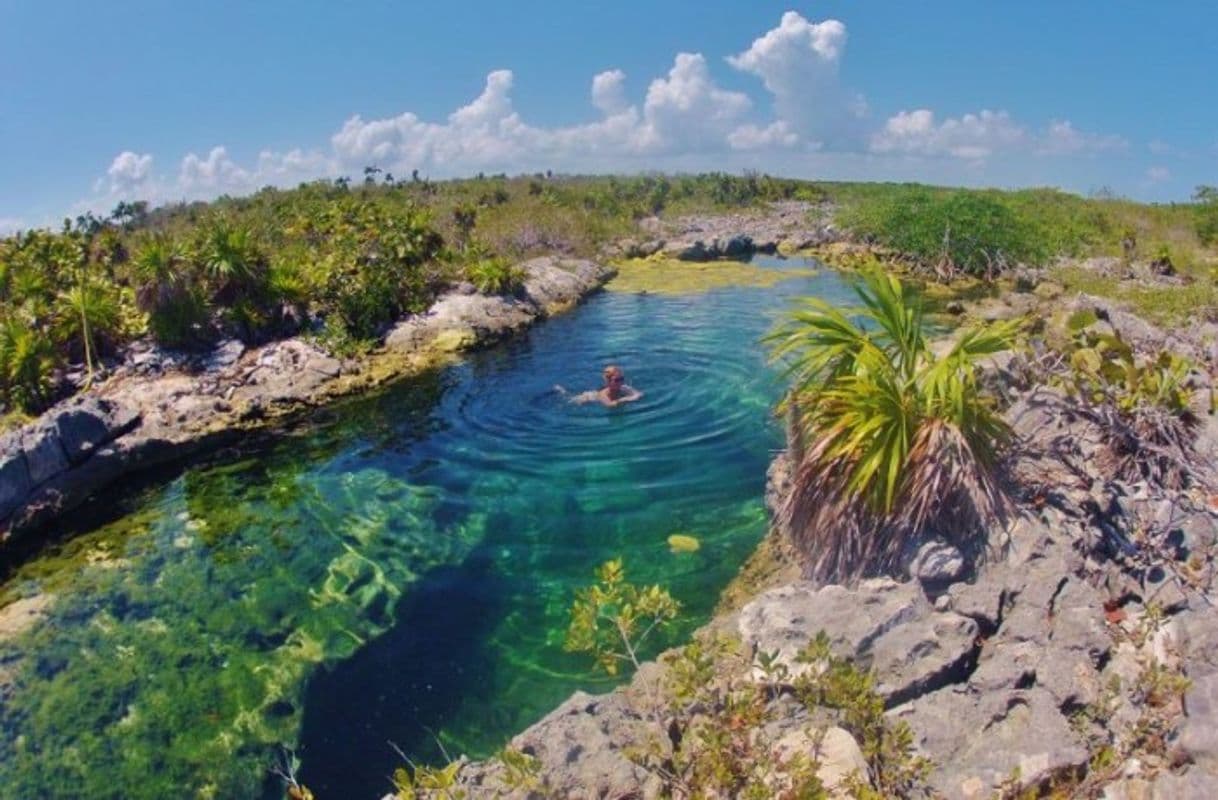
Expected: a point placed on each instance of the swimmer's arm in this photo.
(630, 395)
(584, 397)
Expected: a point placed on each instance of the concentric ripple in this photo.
(402, 573)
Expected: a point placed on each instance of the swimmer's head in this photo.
(613, 374)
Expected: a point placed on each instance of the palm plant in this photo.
(894, 438)
(26, 361)
(89, 312)
(165, 291)
(231, 260)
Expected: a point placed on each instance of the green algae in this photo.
(175, 656)
(670, 276)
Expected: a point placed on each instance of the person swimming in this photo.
(615, 391)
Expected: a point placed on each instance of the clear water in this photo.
(400, 571)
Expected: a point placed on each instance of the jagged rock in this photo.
(977, 741)
(44, 454)
(785, 619)
(937, 564)
(84, 423)
(580, 748)
(465, 320)
(882, 625)
(14, 478)
(1194, 783)
(1197, 739)
(224, 355)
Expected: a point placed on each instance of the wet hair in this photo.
(611, 371)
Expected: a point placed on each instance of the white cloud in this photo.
(798, 63)
(129, 167)
(687, 108)
(10, 225)
(976, 137)
(216, 172)
(684, 120)
(972, 137)
(751, 137)
(1062, 138)
(1158, 174)
(609, 92)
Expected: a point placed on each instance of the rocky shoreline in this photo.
(159, 407)
(1080, 654)
(785, 227)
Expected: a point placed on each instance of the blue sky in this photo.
(184, 100)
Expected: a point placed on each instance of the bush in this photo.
(495, 276)
(948, 231)
(374, 264)
(888, 438)
(1206, 198)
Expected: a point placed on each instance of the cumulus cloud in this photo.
(1158, 174)
(1062, 138)
(687, 108)
(976, 137)
(972, 136)
(684, 120)
(798, 63)
(130, 168)
(609, 92)
(216, 171)
(752, 137)
(684, 109)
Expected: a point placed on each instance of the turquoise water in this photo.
(400, 570)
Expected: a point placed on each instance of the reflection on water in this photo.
(402, 572)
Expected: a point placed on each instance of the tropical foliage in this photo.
(345, 258)
(894, 439)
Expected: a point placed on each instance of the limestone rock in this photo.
(937, 564)
(979, 741)
(886, 626)
(579, 747)
(837, 751)
(85, 423)
(44, 454)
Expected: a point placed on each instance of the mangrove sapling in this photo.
(613, 618)
(896, 440)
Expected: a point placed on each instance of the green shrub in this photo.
(1206, 198)
(26, 361)
(948, 231)
(495, 276)
(375, 263)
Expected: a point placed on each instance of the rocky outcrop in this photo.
(161, 406)
(785, 226)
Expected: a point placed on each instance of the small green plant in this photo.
(613, 619)
(522, 772)
(1105, 369)
(495, 276)
(428, 783)
(836, 683)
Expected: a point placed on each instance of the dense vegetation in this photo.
(343, 260)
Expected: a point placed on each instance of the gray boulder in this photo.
(85, 423)
(937, 564)
(978, 741)
(882, 625)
